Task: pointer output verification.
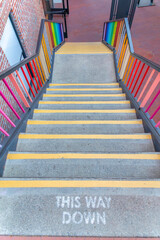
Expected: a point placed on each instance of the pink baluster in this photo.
(18, 90)
(4, 132)
(158, 124)
(10, 106)
(154, 99)
(151, 90)
(7, 118)
(23, 85)
(13, 95)
(155, 113)
(146, 84)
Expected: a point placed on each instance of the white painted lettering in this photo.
(77, 218)
(108, 201)
(101, 218)
(100, 203)
(58, 198)
(89, 217)
(66, 218)
(77, 202)
(91, 201)
(65, 202)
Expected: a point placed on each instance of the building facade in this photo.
(26, 16)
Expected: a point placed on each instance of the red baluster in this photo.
(138, 77)
(31, 78)
(142, 81)
(37, 72)
(29, 85)
(131, 72)
(34, 75)
(134, 75)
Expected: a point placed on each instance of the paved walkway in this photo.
(85, 24)
(146, 32)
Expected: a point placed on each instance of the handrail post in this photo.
(67, 6)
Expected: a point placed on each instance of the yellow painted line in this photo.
(82, 52)
(41, 122)
(84, 102)
(84, 48)
(100, 136)
(83, 84)
(17, 156)
(78, 184)
(85, 111)
(84, 89)
(84, 95)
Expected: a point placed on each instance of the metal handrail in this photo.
(131, 71)
(42, 76)
(139, 57)
(59, 11)
(15, 67)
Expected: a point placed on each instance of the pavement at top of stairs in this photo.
(86, 18)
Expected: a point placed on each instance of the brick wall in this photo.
(27, 15)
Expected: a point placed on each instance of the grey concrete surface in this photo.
(89, 105)
(84, 68)
(85, 145)
(84, 116)
(124, 212)
(113, 212)
(97, 168)
(85, 128)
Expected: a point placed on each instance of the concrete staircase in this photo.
(84, 167)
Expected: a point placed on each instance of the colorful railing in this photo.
(21, 84)
(140, 76)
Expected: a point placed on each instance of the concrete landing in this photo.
(84, 62)
(80, 208)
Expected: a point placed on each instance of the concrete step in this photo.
(84, 85)
(85, 143)
(84, 68)
(83, 114)
(49, 207)
(85, 127)
(84, 104)
(92, 90)
(83, 97)
(101, 166)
